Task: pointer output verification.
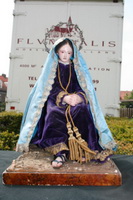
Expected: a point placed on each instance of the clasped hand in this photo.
(72, 99)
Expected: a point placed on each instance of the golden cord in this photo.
(77, 146)
(69, 80)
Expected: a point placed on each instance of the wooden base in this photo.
(34, 168)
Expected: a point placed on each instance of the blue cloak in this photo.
(41, 91)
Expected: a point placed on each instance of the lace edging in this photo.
(56, 148)
(22, 147)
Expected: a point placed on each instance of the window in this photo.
(1, 84)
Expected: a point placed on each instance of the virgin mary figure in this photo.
(62, 115)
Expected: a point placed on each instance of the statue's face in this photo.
(65, 53)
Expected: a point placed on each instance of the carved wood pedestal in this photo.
(34, 168)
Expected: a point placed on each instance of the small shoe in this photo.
(59, 160)
(83, 160)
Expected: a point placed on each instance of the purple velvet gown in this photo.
(52, 130)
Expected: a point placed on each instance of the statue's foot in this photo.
(83, 160)
(59, 161)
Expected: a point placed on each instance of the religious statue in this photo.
(62, 115)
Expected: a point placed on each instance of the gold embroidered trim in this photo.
(83, 96)
(56, 148)
(59, 96)
(103, 155)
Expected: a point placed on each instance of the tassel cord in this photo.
(77, 146)
(78, 138)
